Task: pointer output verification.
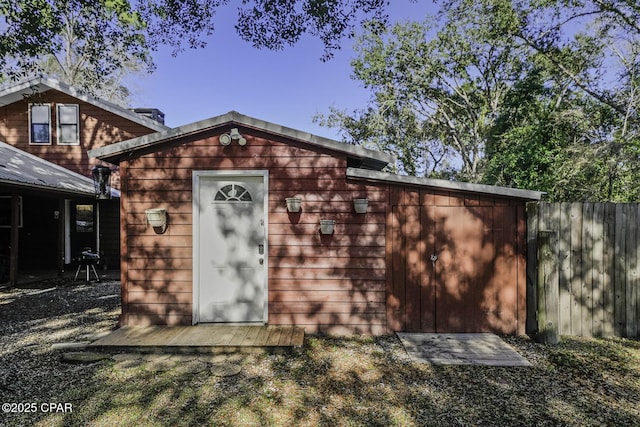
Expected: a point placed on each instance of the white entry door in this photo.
(230, 247)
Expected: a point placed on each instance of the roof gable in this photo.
(17, 91)
(148, 143)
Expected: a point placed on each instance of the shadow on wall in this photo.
(332, 283)
(457, 269)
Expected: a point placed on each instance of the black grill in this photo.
(89, 260)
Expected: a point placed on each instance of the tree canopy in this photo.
(535, 94)
(102, 37)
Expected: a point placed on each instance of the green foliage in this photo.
(584, 124)
(274, 24)
(28, 24)
(438, 88)
(87, 44)
(539, 95)
(105, 37)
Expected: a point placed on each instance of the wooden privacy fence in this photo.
(583, 269)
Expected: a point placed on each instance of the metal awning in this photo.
(20, 169)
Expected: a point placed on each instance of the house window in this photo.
(84, 218)
(40, 124)
(68, 124)
(233, 193)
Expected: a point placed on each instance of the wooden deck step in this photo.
(202, 339)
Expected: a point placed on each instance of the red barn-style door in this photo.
(457, 269)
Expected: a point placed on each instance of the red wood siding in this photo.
(374, 275)
(477, 282)
(97, 128)
(333, 284)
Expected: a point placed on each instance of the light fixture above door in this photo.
(233, 135)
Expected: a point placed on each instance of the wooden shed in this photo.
(426, 255)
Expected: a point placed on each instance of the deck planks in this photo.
(203, 338)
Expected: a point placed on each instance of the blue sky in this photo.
(286, 87)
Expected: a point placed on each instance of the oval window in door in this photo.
(233, 193)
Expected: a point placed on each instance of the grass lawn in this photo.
(357, 381)
(367, 382)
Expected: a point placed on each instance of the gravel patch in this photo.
(353, 381)
(32, 320)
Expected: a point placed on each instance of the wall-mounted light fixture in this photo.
(360, 205)
(293, 204)
(234, 135)
(101, 182)
(157, 218)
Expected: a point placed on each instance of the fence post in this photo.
(548, 306)
(532, 267)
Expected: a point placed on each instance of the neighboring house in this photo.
(58, 124)
(34, 191)
(427, 255)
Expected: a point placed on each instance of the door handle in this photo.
(433, 258)
(260, 249)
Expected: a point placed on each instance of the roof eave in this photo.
(444, 184)
(47, 189)
(49, 84)
(116, 152)
(74, 183)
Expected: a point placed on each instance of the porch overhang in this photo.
(22, 171)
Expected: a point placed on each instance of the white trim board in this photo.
(197, 175)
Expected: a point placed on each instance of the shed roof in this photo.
(23, 170)
(16, 91)
(444, 184)
(115, 152)
(372, 162)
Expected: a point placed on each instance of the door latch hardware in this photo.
(261, 249)
(433, 258)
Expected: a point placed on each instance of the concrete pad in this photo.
(461, 349)
(82, 357)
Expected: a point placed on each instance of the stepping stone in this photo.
(78, 345)
(128, 364)
(183, 358)
(159, 366)
(158, 362)
(225, 370)
(223, 358)
(127, 357)
(156, 358)
(213, 359)
(82, 357)
(192, 367)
